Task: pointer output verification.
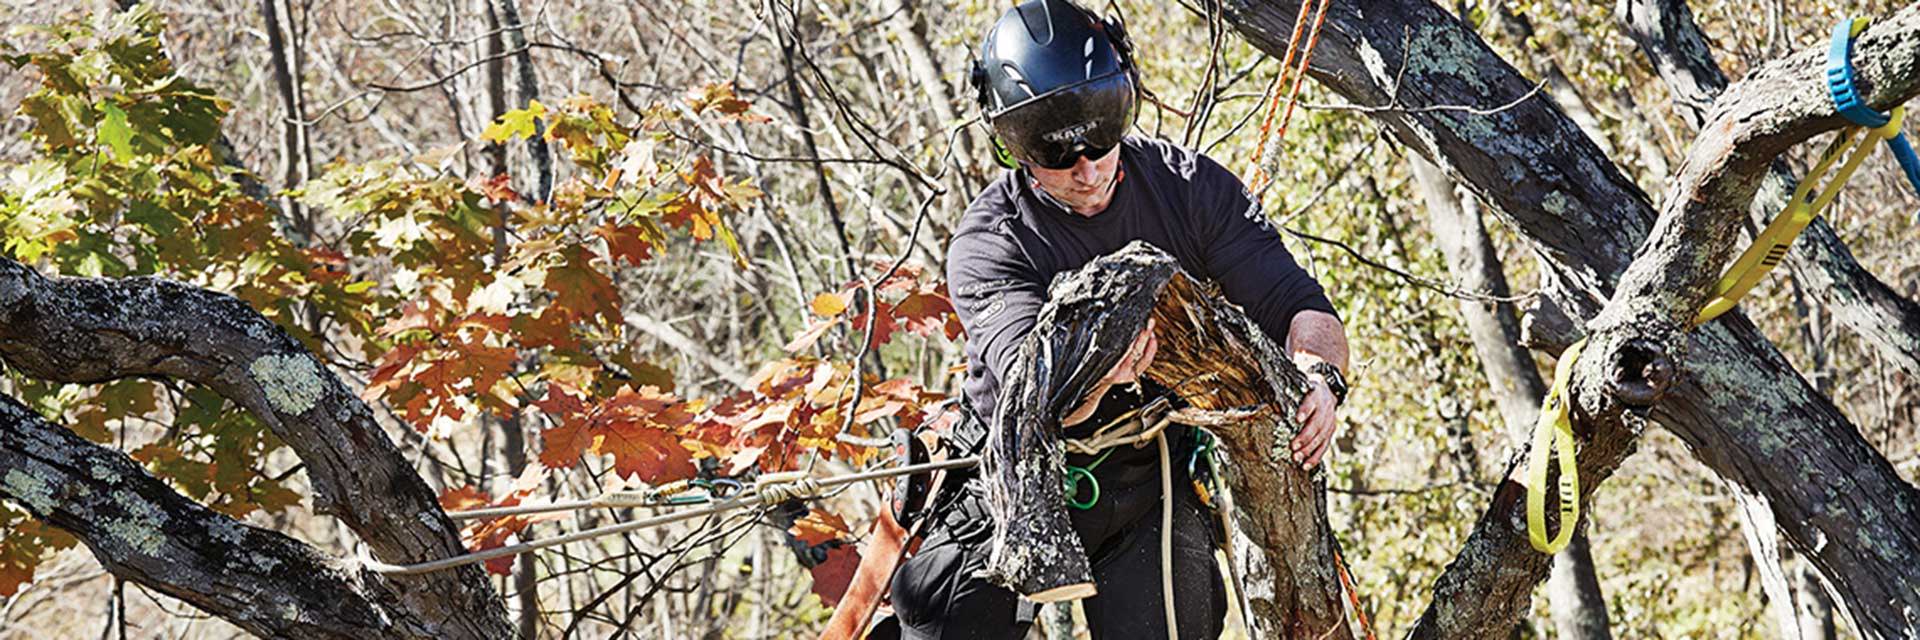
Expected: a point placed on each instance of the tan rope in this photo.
(1166, 536)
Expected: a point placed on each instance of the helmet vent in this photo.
(1087, 52)
(1014, 73)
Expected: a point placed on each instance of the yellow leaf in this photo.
(829, 304)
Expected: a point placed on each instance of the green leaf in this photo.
(115, 132)
(515, 124)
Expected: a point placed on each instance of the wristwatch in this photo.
(1335, 382)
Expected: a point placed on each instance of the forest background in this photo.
(629, 242)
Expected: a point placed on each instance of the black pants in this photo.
(937, 596)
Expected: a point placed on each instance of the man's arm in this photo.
(1313, 337)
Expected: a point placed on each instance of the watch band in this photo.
(1336, 382)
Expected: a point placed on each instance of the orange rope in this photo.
(1353, 594)
(1299, 75)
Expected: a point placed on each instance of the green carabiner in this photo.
(1075, 474)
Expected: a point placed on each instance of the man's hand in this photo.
(1318, 417)
(1314, 337)
(1131, 366)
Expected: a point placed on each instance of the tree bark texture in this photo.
(83, 330)
(1573, 587)
(1738, 405)
(1234, 380)
(143, 531)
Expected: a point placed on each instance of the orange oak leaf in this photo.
(582, 292)
(626, 242)
(820, 526)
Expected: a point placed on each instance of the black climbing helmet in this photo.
(1056, 82)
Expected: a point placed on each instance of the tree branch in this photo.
(145, 532)
(91, 330)
(1666, 32)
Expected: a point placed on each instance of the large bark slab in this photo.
(1085, 328)
(1739, 403)
(85, 330)
(145, 532)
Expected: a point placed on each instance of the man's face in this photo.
(1086, 187)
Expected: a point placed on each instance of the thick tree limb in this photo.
(1282, 542)
(91, 330)
(1744, 410)
(1779, 106)
(1673, 43)
(145, 532)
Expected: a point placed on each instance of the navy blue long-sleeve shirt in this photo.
(1014, 238)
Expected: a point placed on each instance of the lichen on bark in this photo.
(291, 382)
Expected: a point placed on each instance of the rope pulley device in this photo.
(1554, 430)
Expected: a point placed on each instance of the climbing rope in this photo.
(1299, 75)
(770, 490)
(1554, 430)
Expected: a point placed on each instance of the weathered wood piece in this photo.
(1223, 364)
(1228, 372)
(1089, 321)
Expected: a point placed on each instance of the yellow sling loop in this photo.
(1772, 243)
(1554, 430)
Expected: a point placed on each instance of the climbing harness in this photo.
(1298, 72)
(1554, 430)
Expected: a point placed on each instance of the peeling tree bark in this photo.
(90, 330)
(143, 531)
(1740, 407)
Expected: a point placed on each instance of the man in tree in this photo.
(1059, 88)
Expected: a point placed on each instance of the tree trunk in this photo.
(1579, 609)
(516, 36)
(1740, 407)
(284, 83)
